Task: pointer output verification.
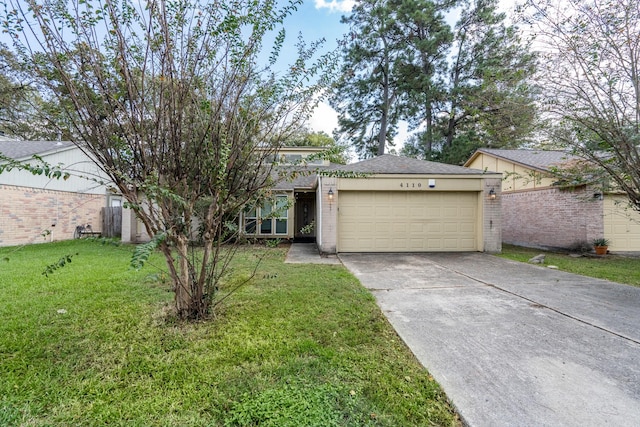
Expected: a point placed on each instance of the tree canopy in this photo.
(24, 112)
(366, 94)
(458, 88)
(179, 102)
(305, 137)
(591, 81)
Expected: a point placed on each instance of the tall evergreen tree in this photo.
(459, 89)
(490, 100)
(424, 60)
(366, 95)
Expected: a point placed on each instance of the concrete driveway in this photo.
(514, 344)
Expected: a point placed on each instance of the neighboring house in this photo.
(537, 212)
(35, 208)
(394, 204)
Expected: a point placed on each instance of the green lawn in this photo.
(617, 268)
(300, 345)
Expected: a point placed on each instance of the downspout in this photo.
(319, 209)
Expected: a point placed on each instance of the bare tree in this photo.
(590, 75)
(171, 100)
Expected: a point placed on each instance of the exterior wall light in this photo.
(330, 194)
(492, 194)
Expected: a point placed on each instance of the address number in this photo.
(410, 185)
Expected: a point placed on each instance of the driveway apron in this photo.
(514, 344)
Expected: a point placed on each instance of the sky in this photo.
(316, 19)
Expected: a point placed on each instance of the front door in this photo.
(305, 217)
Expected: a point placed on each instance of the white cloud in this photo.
(335, 5)
(324, 118)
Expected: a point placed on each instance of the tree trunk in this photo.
(451, 127)
(384, 120)
(183, 297)
(382, 135)
(428, 140)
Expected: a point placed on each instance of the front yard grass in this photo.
(617, 268)
(300, 345)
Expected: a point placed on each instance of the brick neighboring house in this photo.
(36, 209)
(538, 213)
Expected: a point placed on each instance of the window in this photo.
(250, 221)
(282, 212)
(266, 219)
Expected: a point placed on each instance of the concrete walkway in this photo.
(514, 344)
(307, 253)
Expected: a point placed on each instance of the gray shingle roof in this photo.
(19, 150)
(390, 164)
(305, 178)
(539, 159)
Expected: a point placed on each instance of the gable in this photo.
(85, 176)
(515, 176)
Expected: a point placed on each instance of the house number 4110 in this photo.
(410, 185)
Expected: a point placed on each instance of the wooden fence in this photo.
(112, 222)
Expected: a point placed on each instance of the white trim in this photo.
(319, 213)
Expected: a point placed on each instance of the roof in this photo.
(390, 164)
(537, 159)
(298, 177)
(19, 150)
(304, 178)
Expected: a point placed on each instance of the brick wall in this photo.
(327, 240)
(492, 216)
(551, 217)
(25, 213)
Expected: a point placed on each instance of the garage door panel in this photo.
(467, 228)
(400, 228)
(416, 244)
(434, 228)
(450, 227)
(621, 224)
(433, 212)
(407, 222)
(467, 213)
(451, 212)
(469, 244)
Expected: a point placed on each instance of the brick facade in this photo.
(28, 213)
(492, 216)
(328, 209)
(551, 217)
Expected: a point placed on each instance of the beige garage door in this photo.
(621, 224)
(407, 221)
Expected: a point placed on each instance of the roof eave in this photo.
(528, 166)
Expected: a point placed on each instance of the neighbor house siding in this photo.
(30, 215)
(514, 176)
(621, 224)
(84, 176)
(551, 217)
